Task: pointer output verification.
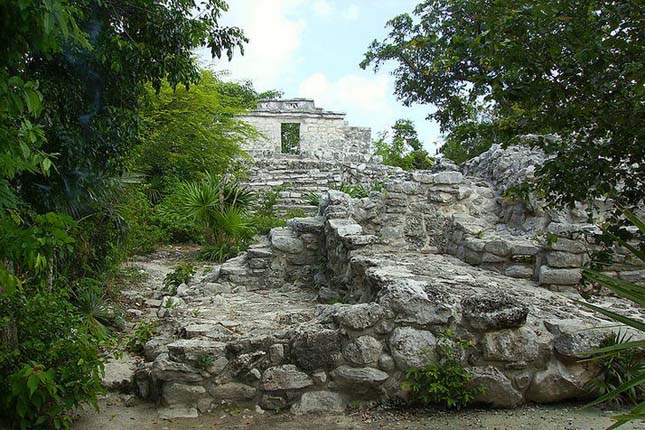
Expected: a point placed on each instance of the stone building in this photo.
(297, 127)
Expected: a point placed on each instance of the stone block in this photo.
(498, 389)
(510, 345)
(485, 312)
(448, 178)
(286, 377)
(561, 259)
(363, 351)
(551, 276)
(319, 402)
(411, 347)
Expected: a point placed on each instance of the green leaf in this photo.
(638, 325)
(32, 384)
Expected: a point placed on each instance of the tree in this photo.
(404, 150)
(71, 79)
(496, 69)
(188, 132)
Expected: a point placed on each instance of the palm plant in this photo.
(631, 382)
(221, 207)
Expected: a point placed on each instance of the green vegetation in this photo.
(359, 191)
(443, 381)
(221, 208)
(498, 69)
(74, 78)
(622, 359)
(182, 274)
(405, 149)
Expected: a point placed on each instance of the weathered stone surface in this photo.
(232, 391)
(286, 377)
(359, 376)
(561, 259)
(415, 302)
(169, 306)
(579, 345)
(558, 383)
(319, 402)
(486, 312)
(166, 370)
(363, 351)
(182, 394)
(284, 240)
(498, 247)
(448, 178)
(498, 389)
(213, 288)
(552, 276)
(316, 348)
(360, 316)
(568, 245)
(510, 345)
(519, 271)
(411, 347)
(386, 362)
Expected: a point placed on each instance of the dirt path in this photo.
(114, 415)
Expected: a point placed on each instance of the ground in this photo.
(114, 415)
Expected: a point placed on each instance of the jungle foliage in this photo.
(404, 149)
(496, 69)
(73, 76)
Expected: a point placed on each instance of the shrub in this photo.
(617, 368)
(182, 274)
(48, 359)
(143, 332)
(445, 381)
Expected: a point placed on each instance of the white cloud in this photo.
(368, 101)
(322, 8)
(350, 92)
(274, 39)
(351, 13)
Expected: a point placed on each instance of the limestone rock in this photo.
(578, 345)
(415, 302)
(319, 402)
(486, 312)
(360, 316)
(316, 348)
(284, 240)
(174, 393)
(551, 276)
(232, 391)
(286, 377)
(561, 259)
(363, 351)
(558, 383)
(448, 177)
(510, 345)
(358, 376)
(498, 389)
(411, 347)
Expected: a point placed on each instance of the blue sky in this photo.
(311, 48)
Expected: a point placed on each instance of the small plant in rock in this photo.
(182, 274)
(204, 361)
(617, 368)
(443, 381)
(295, 213)
(142, 333)
(312, 198)
(357, 191)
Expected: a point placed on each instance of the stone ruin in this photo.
(297, 127)
(335, 307)
(327, 152)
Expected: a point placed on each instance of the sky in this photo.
(312, 48)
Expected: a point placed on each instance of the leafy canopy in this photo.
(404, 150)
(495, 69)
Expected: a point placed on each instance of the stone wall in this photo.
(296, 177)
(395, 271)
